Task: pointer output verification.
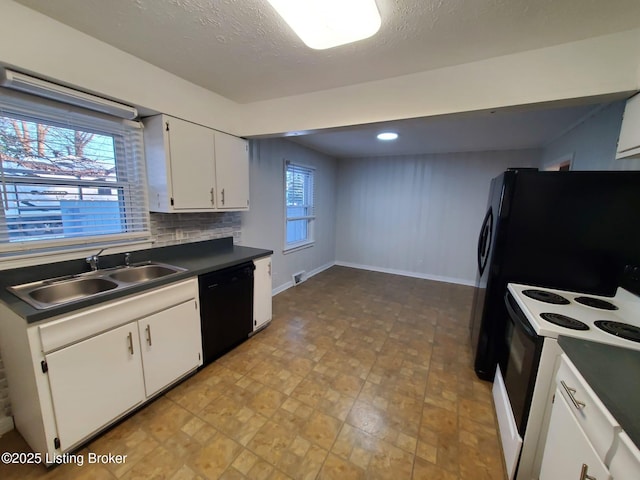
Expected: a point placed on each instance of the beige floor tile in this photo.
(161, 463)
(359, 375)
(336, 468)
(321, 429)
(423, 470)
(213, 459)
(185, 473)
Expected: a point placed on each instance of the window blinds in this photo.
(300, 192)
(68, 176)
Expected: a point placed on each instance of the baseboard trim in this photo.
(311, 273)
(6, 425)
(281, 288)
(320, 269)
(404, 273)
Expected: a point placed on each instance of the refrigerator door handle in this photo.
(484, 241)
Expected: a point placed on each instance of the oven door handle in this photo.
(518, 317)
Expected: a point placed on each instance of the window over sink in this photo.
(69, 177)
(299, 206)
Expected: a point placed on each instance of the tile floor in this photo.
(360, 375)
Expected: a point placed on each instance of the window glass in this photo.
(65, 183)
(299, 205)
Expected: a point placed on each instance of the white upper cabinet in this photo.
(191, 168)
(629, 140)
(232, 172)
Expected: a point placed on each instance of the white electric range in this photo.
(524, 383)
(612, 320)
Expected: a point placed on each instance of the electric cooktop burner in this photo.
(596, 303)
(564, 321)
(622, 330)
(547, 297)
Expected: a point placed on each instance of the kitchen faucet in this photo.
(94, 261)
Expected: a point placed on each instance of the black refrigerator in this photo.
(568, 230)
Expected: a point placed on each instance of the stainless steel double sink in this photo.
(53, 292)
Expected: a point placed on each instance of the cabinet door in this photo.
(232, 172)
(94, 382)
(625, 464)
(171, 345)
(629, 140)
(192, 165)
(262, 307)
(567, 449)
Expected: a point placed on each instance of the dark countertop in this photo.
(198, 258)
(614, 375)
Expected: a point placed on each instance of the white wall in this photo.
(82, 61)
(263, 225)
(592, 144)
(591, 67)
(418, 215)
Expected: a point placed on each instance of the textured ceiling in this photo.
(242, 50)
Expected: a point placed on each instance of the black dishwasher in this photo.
(226, 309)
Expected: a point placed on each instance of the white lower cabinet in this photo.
(568, 452)
(625, 464)
(262, 296)
(94, 381)
(73, 375)
(582, 431)
(167, 345)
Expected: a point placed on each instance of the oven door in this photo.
(514, 381)
(519, 364)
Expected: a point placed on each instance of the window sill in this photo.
(27, 259)
(296, 247)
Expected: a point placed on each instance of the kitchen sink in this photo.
(70, 290)
(143, 273)
(57, 291)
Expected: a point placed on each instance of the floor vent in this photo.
(299, 277)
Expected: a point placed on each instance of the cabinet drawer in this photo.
(568, 451)
(89, 322)
(594, 418)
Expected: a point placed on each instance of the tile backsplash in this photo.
(175, 228)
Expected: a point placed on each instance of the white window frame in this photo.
(127, 134)
(310, 216)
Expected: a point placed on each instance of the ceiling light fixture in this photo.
(386, 136)
(322, 24)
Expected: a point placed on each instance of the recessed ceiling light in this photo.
(325, 24)
(387, 136)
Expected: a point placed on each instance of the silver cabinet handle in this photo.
(213, 200)
(583, 473)
(223, 196)
(269, 268)
(571, 392)
(130, 336)
(148, 329)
